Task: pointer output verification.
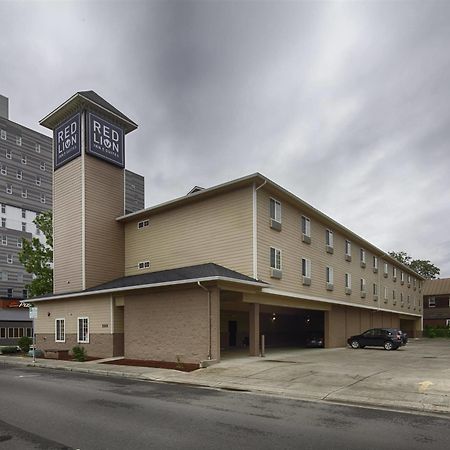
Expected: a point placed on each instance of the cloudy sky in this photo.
(345, 104)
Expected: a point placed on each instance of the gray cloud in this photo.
(344, 104)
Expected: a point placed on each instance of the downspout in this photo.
(255, 229)
(209, 318)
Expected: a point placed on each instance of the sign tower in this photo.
(88, 191)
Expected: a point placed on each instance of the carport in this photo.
(284, 322)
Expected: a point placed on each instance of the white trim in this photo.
(273, 291)
(86, 341)
(83, 202)
(147, 286)
(254, 231)
(112, 315)
(56, 329)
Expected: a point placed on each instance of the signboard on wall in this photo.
(105, 140)
(67, 141)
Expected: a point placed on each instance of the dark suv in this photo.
(389, 338)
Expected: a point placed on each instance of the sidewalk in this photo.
(414, 378)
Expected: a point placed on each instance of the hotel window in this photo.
(330, 275)
(24, 213)
(363, 285)
(394, 297)
(401, 298)
(3, 208)
(2, 333)
(19, 175)
(144, 265)
(306, 229)
(60, 330)
(375, 264)
(385, 294)
(9, 258)
(3, 222)
(3, 134)
(83, 330)
(42, 166)
(24, 159)
(30, 332)
(306, 272)
(329, 241)
(306, 268)
(432, 302)
(408, 301)
(348, 250)
(394, 273)
(362, 258)
(348, 281)
(24, 193)
(275, 214)
(37, 147)
(42, 198)
(19, 243)
(414, 283)
(385, 273)
(408, 278)
(8, 154)
(375, 289)
(275, 258)
(143, 224)
(3, 170)
(19, 140)
(9, 293)
(38, 181)
(9, 188)
(4, 240)
(402, 277)
(24, 226)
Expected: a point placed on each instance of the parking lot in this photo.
(416, 376)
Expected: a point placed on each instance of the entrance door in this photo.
(232, 333)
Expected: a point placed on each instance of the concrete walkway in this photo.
(415, 377)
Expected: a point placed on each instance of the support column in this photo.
(254, 329)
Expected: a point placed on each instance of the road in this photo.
(49, 409)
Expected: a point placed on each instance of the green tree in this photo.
(423, 267)
(37, 258)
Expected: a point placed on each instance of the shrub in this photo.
(8, 350)
(24, 343)
(79, 353)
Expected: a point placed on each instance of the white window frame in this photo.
(9, 188)
(402, 276)
(19, 244)
(19, 140)
(61, 336)
(37, 148)
(385, 293)
(306, 267)
(38, 180)
(394, 272)
(24, 193)
(42, 166)
(348, 280)
(394, 294)
(19, 174)
(432, 302)
(24, 159)
(375, 289)
(306, 226)
(329, 240)
(362, 284)
(362, 255)
(86, 337)
(277, 258)
(143, 264)
(42, 198)
(4, 170)
(276, 209)
(348, 248)
(3, 135)
(329, 275)
(375, 262)
(8, 154)
(10, 258)
(4, 240)
(386, 268)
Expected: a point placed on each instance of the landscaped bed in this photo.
(184, 367)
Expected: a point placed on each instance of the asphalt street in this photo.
(48, 409)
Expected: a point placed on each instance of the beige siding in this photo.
(289, 241)
(171, 325)
(67, 227)
(98, 309)
(104, 235)
(217, 229)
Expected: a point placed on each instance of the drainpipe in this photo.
(209, 319)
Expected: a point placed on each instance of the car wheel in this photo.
(354, 344)
(388, 345)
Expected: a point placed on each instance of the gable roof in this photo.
(437, 287)
(181, 275)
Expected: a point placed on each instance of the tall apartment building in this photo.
(26, 174)
(211, 270)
